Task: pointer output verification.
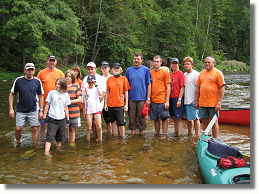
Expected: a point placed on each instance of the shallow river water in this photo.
(141, 160)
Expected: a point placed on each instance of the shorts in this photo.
(74, 122)
(106, 116)
(32, 117)
(155, 110)
(207, 112)
(56, 130)
(174, 111)
(191, 112)
(118, 114)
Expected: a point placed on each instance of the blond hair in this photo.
(190, 59)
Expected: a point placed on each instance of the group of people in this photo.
(55, 99)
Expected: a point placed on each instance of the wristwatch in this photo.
(179, 99)
(41, 109)
(219, 103)
(148, 99)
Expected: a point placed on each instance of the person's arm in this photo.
(106, 99)
(126, 100)
(41, 106)
(221, 95)
(11, 111)
(180, 97)
(148, 95)
(67, 112)
(167, 96)
(197, 97)
(46, 109)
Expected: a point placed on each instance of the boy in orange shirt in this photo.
(209, 94)
(160, 92)
(116, 99)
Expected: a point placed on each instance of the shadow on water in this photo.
(133, 160)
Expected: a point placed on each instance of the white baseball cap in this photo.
(91, 64)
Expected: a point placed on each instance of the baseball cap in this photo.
(91, 78)
(53, 57)
(116, 65)
(29, 66)
(104, 64)
(91, 64)
(174, 60)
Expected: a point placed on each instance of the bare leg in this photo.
(122, 131)
(42, 132)
(18, 135)
(89, 119)
(109, 127)
(197, 126)
(165, 127)
(47, 148)
(133, 132)
(35, 135)
(215, 130)
(190, 125)
(178, 125)
(114, 128)
(98, 124)
(157, 126)
(72, 134)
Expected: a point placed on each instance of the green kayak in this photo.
(212, 173)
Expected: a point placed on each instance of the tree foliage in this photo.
(79, 31)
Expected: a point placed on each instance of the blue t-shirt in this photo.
(138, 78)
(28, 91)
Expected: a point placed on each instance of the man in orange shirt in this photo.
(160, 92)
(48, 77)
(209, 94)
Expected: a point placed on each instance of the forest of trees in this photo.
(79, 31)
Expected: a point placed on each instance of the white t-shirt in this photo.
(57, 101)
(101, 82)
(190, 86)
(93, 102)
(107, 77)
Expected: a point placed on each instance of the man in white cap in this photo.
(100, 83)
(29, 89)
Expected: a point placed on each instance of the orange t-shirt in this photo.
(158, 86)
(48, 79)
(117, 87)
(210, 83)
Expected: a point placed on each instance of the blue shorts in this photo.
(207, 112)
(155, 110)
(174, 111)
(191, 112)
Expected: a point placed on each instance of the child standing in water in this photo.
(75, 95)
(57, 110)
(93, 95)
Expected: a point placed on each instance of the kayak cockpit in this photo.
(241, 179)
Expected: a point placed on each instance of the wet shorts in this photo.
(118, 114)
(32, 117)
(107, 116)
(56, 130)
(191, 112)
(206, 112)
(155, 110)
(174, 111)
(74, 122)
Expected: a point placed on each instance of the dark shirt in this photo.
(27, 91)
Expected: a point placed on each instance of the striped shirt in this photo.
(74, 92)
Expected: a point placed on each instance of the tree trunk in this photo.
(207, 34)
(97, 32)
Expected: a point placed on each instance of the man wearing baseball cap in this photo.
(28, 87)
(48, 77)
